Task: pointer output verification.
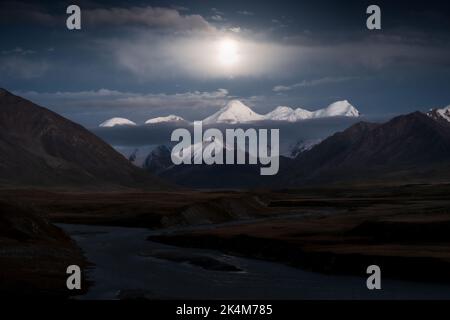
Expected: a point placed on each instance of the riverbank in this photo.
(336, 231)
(34, 255)
(128, 266)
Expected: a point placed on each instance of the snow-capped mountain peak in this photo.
(169, 118)
(301, 114)
(195, 152)
(234, 112)
(445, 113)
(440, 114)
(338, 108)
(117, 122)
(280, 113)
(283, 113)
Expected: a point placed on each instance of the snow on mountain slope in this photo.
(339, 108)
(234, 112)
(288, 114)
(302, 146)
(280, 113)
(440, 114)
(301, 114)
(196, 151)
(169, 118)
(445, 113)
(116, 122)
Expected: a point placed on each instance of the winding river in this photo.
(126, 265)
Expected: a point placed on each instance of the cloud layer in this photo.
(104, 98)
(296, 55)
(92, 107)
(152, 17)
(312, 83)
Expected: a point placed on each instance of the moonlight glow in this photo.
(228, 52)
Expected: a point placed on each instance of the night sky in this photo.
(139, 59)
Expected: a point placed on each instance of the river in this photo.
(126, 265)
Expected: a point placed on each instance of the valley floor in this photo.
(333, 232)
(128, 266)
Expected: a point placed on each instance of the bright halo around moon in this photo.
(228, 52)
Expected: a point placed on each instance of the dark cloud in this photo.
(312, 83)
(21, 63)
(146, 16)
(21, 12)
(155, 55)
(152, 17)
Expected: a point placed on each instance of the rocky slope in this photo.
(411, 146)
(40, 148)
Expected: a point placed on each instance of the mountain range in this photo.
(235, 112)
(117, 122)
(41, 148)
(413, 147)
(169, 118)
(206, 176)
(336, 109)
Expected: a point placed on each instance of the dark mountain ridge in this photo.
(206, 176)
(412, 146)
(39, 148)
(408, 148)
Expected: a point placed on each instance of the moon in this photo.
(228, 52)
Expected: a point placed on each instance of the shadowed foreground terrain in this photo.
(144, 209)
(404, 229)
(41, 149)
(34, 254)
